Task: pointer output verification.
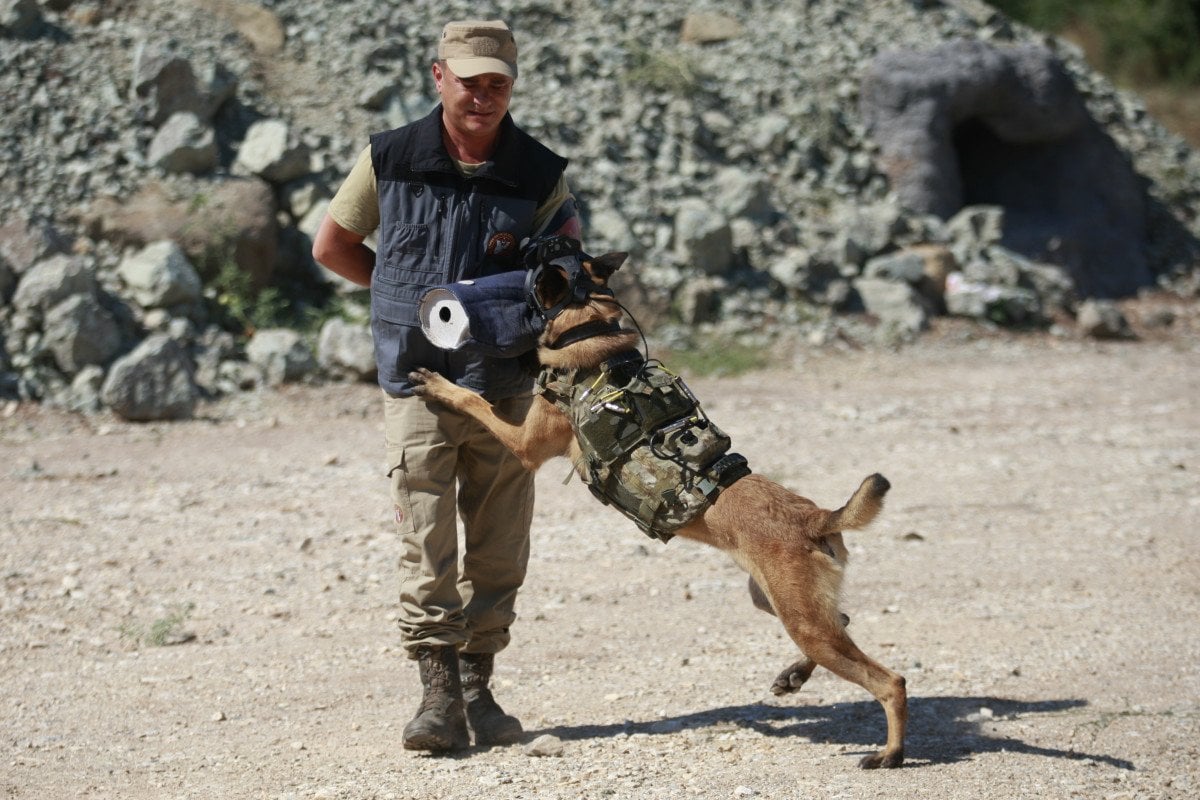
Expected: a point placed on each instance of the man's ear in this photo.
(603, 266)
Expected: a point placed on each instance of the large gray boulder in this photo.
(346, 348)
(24, 243)
(282, 354)
(160, 275)
(232, 224)
(154, 382)
(51, 281)
(271, 151)
(898, 305)
(170, 84)
(80, 332)
(185, 143)
(973, 123)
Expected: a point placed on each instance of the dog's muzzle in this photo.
(556, 278)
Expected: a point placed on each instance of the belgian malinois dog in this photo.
(791, 548)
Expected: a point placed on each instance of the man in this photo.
(452, 196)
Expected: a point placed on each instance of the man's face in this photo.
(473, 106)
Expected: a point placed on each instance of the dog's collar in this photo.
(585, 331)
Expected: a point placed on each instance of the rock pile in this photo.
(778, 167)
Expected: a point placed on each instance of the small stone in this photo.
(666, 726)
(218, 716)
(1102, 319)
(545, 745)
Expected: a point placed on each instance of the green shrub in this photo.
(245, 308)
(238, 306)
(1151, 40)
(164, 631)
(1137, 40)
(716, 357)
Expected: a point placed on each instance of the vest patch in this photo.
(502, 245)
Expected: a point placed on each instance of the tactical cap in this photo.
(475, 47)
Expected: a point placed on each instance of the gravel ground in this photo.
(206, 609)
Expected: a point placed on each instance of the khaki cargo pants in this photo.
(443, 465)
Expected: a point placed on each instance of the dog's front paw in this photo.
(425, 382)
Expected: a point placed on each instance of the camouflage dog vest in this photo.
(647, 447)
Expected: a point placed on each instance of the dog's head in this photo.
(560, 274)
(571, 281)
(568, 288)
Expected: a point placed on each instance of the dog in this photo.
(792, 549)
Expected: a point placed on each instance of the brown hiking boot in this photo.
(489, 722)
(440, 723)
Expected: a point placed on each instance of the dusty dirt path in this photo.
(1036, 577)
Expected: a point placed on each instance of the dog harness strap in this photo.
(585, 331)
(556, 386)
(724, 471)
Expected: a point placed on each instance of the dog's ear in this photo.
(604, 266)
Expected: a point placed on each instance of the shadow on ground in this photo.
(941, 730)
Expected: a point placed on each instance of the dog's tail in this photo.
(862, 507)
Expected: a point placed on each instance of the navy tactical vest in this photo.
(437, 227)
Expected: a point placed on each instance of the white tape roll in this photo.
(444, 320)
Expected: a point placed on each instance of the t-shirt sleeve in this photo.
(555, 209)
(356, 205)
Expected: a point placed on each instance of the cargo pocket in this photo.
(406, 254)
(401, 501)
(408, 239)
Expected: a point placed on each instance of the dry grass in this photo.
(1177, 109)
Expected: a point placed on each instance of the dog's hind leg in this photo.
(794, 676)
(796, 673)
(831, 647)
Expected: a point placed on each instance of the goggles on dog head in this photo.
(556, 278)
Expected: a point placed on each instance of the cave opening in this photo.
(1023, 177)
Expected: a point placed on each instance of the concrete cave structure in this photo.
(972, 123)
